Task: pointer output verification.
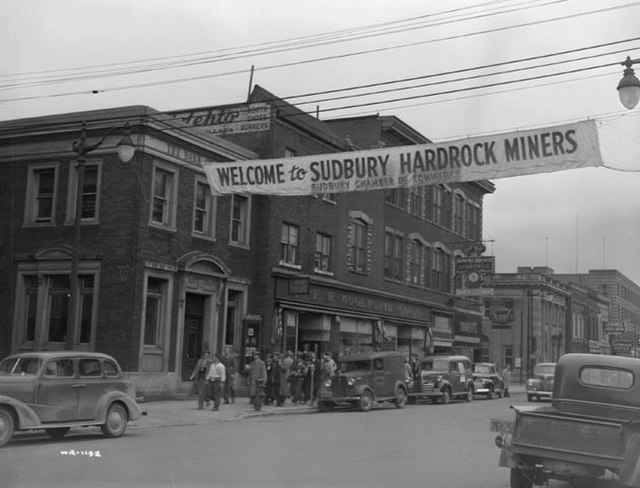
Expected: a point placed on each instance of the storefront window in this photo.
(356, 336)
(411, 340)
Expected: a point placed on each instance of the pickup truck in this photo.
(588, 436)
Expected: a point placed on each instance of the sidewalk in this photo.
(185, 412)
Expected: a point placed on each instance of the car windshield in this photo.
(544, 369)
(482, 369)
(436, 365)
(346, 366)
(20, 365)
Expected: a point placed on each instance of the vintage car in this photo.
(588, 436)
(541, 384)
(487, 380)
(442, 378)
(55, 391)
(363, 379)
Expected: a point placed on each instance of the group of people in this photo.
(273, 381)
(213, 379)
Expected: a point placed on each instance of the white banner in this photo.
(517, 153)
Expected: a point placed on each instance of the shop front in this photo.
(467, 337)
(322, 318)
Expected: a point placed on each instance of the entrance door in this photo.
(192, 340)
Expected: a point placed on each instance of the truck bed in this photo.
(547, 434)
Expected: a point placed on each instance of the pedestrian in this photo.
(284, 367)
(273, 378)
(216, 378)
(297, 376)
(307, 382)
(257, 380)
(408, 373)
(198, 377)
(328, 366)
(229, 359)
(506, 377)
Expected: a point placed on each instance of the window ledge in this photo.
(323, 272)
(290, 265)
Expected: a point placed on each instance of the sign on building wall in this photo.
(470, 274)
(478, 158)
(230, 119)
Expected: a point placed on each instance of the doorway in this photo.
(192, 345)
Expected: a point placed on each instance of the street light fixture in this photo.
(629, 86)
(126, 151)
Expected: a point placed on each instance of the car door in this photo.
(91, 386)
(57, 392)
(379, 376)
(454, 377)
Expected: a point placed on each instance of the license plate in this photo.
(501, 425)
(325, 394)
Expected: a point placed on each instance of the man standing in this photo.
(257, 380)
(216, 378)
(506, 376)
(229, 361)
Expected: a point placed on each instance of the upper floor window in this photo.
(323, 252)
(393, 250)
(240, 207)
(397, 197)
(458, 214)
(440, 266)
(416, 200)
(359, 245)
(289, 243)
(89, 207)
(203, 210)
(41, 195)
(437, 204)
(163, 205)
(416, 262)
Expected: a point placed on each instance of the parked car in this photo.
(364, 379)
(541, 384)
(442, 378)
(55, 391)
(488, 380)
(588, 436)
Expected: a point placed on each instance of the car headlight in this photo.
(351, 382)
(327, 384)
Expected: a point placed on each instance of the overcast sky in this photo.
(171, 55)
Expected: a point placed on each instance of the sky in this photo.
(449, 69)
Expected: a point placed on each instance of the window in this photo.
(203, 210)
(44, 309)
(232, 326)
(41, 195)
(415, 200)
(458, 214)
(89, 367)
(239, 220)
(110, 369)
(508, 356)
(59, 368)
(415, 262)
(440, 265)
(607, 377)
(323, 253)
(437, 204)
(397, 197)
(393, 243)
(163, 205)
(155, 311)
(359, 246)
(89, 207)
(289, 244)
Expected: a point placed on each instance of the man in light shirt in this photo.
(215, 379)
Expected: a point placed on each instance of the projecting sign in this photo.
(614, 328)
(470, 272)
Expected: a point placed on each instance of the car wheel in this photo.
(366, 401)
(57, 432)
(325, 406)
(518, 480)
(446, 396)
(401, 398)
(469, 395)
(530, 398)
(116, 421)
(7, 426)
(490, 394)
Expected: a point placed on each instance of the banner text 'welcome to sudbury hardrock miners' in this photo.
(544, 150)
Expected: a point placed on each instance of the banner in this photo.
(517, 153)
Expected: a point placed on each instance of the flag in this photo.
(276, 332)
(428, 341)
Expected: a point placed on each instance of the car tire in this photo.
(365, 402)
(518, 480)
(469, 394)
(401, 398)
(7, 426)
(57, 432)
(529, 398)
(116, 421)
(325, 406)
(446, 396)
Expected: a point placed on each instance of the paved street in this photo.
(422, 445)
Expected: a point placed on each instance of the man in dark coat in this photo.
(257, 380)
